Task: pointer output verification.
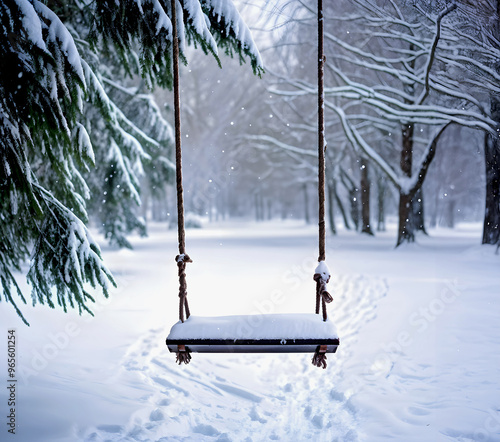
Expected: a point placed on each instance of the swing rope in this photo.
(181, 259)
(183, 355)
(321, 136)
(322, 295)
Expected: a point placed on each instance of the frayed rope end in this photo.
(319, 358)
(183, 355)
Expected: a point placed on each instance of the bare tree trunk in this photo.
(491, 226)
(406, 231)
(341, 208)
(331, 216)
(417, 204)
(269, 209)
(354, 200)
(365, 198)
(408, 212)
(283, 205)
(381, 190)
(411, 216)
(434, 211)
(283, 211)
(306, 204)
(450, 213)
(257, 207)
(154, 209)
(353, 191)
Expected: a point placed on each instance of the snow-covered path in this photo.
(419, 356)
(248, 397)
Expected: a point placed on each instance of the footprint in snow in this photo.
(206, 430)
(156, 415)
(254, 416)
(111, 428)
(299, 403)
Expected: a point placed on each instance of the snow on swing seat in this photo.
(273, 333)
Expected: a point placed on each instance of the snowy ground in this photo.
(419, 358)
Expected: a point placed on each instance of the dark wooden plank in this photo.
(253, 345)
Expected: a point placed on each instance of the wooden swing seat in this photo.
(272, 333)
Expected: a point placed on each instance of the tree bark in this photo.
(491, 226)
(417, 205)
(434, 210)
(406, 231)
(407, 223)
(307, 217)
(342, 210)
(365, 198)
(353, 198)
(258, 207)
(381, 189)
(411, 216)
(269, 209)
(450, 213)
(353, 191)
(331, 216)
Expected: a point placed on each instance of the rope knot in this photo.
(182, 258)
(322, 277)
(181, 261)
(321, 287)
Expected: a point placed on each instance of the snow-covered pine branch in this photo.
(68, 145)
(65, 258)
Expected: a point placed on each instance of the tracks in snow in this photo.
(246, 397)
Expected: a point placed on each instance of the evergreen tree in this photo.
(61, 115)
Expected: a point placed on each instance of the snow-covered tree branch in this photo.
(70, 142)
(405, 73)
